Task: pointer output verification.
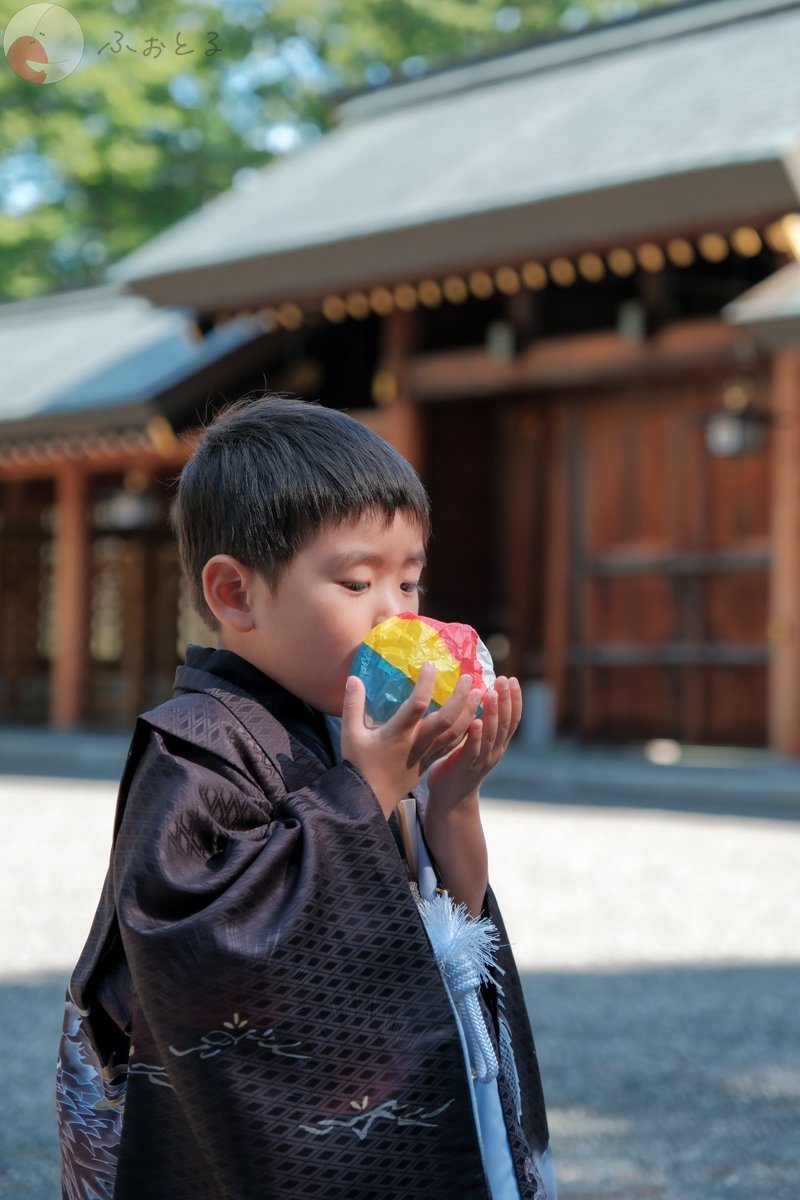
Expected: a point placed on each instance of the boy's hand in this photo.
(452, 815)
(393, 757)
(456, 778)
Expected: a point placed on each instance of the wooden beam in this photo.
(783, 725)
(47, 464)
(402, 422)
(585, 360)
(71, 599)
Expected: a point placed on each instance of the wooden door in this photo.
(26, 594)
(668, 560)
(487, 478)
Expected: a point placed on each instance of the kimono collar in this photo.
(206, 668)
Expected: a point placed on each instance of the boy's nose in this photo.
(390, 606)
(384, 612)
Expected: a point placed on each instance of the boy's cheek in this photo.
(334, 705)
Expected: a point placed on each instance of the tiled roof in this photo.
(536, 144)
(96, 351)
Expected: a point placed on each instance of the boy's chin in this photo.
(330, 706)
(330, 698)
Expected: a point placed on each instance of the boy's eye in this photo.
(410, 586)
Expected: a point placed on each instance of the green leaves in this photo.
(171, 100)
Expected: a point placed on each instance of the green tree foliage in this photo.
(173, 102)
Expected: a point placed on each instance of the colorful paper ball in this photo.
(390, 658)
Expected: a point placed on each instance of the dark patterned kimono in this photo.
(257, 1014)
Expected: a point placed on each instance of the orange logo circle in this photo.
(43, 43)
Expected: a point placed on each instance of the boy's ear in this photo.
(227, 587)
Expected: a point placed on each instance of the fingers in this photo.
(509, 709)
(441, 732)
(502, 692)
(516, 707)
(457, 713)
(474, 747)
(412, 710)
(447, 742)
(455, 701)
(489, 736)
(484, 744)
(353, 705)
(491, 721)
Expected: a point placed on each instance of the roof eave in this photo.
(96, 420)
(178, 398)
(771, 310)
(773, 334)
(712, 196)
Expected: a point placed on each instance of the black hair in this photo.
(269, 472)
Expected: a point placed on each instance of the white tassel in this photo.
(465, 947)
(509, 1064)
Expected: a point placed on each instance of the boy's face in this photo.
(342, 583)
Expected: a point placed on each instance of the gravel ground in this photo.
(661, 958)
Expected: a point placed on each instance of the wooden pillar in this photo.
(71, 599)
(11, 631)
(557, 575)
(520, 534)
(403, 427)
(783, 720)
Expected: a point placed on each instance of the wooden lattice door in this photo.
(134, 632)
(668, 571)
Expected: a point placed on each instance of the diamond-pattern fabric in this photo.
(258, 959)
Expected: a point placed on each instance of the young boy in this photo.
(258, 1013)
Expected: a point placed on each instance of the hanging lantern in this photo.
(736, 428)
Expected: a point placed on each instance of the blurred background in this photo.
(547, 249)
(551, 251)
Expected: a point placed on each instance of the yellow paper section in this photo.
(408, 644)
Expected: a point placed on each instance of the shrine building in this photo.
(565, 282)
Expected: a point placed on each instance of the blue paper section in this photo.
(386, 686)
